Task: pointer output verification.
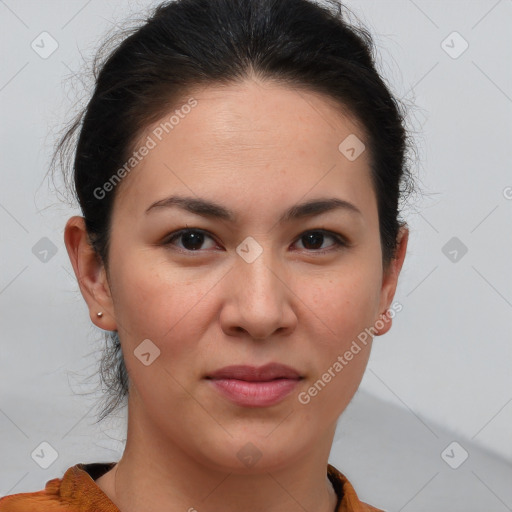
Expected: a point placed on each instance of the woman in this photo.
(239, 169)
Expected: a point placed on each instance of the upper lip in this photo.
(268, 372)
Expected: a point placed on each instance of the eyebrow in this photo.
(214, 210)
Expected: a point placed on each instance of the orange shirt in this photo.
(77, 491)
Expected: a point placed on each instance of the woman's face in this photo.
(252, 289)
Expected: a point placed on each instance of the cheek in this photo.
(170, 309)
(156, 301)
(344, 301)
(339, 311)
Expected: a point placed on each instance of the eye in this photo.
(192, 240)
(316, 237)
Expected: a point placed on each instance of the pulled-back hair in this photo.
(186, 44)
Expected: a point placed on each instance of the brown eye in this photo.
(313, 240)
(191, 239)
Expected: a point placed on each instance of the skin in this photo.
(257, 148)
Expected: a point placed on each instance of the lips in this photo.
(250, 386)
(269, 372)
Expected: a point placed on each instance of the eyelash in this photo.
(339, 241)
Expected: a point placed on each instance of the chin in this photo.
(253, 454)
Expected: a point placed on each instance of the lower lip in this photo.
(255, 394)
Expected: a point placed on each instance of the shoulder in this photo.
(349, 501)
(369, 508)
(47, 499)
(76, 491)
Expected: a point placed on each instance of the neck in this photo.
(156, 474)
(131, 492)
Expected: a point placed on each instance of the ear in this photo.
(390, 280)
(90, 273)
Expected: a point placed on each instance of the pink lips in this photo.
(249, 386)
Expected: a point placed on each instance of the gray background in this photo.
(441, 375)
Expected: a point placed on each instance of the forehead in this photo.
(241, 138)
(259, 116)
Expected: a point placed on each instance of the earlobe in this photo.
(90, 274)
(383, 324)
(390, 281)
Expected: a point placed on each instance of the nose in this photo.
(259, 301)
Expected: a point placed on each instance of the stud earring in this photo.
(100, 314)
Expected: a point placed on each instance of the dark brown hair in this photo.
(186, 44)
